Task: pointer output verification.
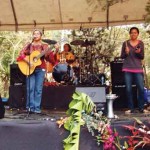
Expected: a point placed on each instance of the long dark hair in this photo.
(68, 46)
(38, 31)
(134, 28)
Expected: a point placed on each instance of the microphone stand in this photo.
(28, 92)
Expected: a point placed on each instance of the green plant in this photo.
(80, 103)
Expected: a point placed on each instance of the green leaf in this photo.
(68, 146)
(74, 141)
(82, 122)
(69, 112)
(84, 97)
(68, 139)
(71, 147)
(126, 145)
(77, 119)
(76, 96)
(67, 125)
(76, 129)
(78, 113)
(138, 121)
(72, 103)
(77, 106)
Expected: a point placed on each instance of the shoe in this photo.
(30, 112)
(37, 112)
(129, 111)
(144, 111)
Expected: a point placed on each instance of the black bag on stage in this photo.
(2, 109)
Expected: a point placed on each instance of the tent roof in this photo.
(68, 14)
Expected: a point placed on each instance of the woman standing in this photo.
(133, 54)
(34, 81)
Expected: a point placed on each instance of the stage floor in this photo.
(55, 114)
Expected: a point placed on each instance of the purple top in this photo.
(132, 61)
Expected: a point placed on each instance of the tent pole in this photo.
(15, 17)
(107, 14)
(60, 12)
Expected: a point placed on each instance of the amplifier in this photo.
(16, 76)
(97, 94)
(117, 76)
(121, 101)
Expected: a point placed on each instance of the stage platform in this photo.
(20, 131)
(55, 97)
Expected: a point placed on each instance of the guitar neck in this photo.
(44, 52)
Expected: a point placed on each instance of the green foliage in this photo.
(107, 47)
(79, 104)
(9, 46)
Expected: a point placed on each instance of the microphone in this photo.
(33, 37)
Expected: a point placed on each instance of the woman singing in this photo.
(34, 81)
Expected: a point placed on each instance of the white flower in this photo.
(148, 132)
(142, 130)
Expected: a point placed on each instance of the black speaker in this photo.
(2, 109)
(117, 76)
(17, 96)
(121, 101)
(16, 76)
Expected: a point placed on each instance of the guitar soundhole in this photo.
(35, 59)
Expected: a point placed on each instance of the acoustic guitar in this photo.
(30, 62)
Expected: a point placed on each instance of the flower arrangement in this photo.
(82, 111)
(99, 126)
(140, 135)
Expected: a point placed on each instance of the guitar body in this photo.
(24, 64)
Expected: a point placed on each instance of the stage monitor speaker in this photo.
(117, 76)
(97, 94)
(121, 101)
(16, 76)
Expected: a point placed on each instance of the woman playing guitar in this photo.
(32, 62)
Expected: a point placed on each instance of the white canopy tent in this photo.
(69, 14)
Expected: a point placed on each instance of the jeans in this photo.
(34, 90)
(138, 79)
